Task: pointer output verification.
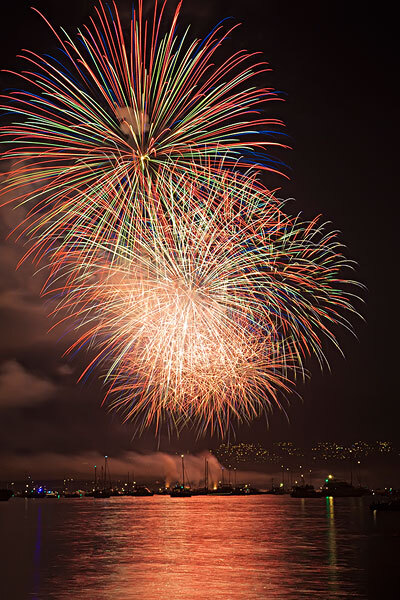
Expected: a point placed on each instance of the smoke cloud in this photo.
(19, 387)
(151, 467)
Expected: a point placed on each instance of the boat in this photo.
(5, 495)
(276, 491)
(37, 492)
(246, 490)
(342, 489)
(392, 505)
(223, 489)
(104, 491)
(305, 491)
(181, 490)
(101, 494)
(203, 491)
(52, 494)
(140, 490)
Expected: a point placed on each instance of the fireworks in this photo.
(204, 315)
(198, 297)
(106, 116)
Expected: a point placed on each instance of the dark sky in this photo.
(337, 65)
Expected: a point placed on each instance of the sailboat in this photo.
(181, 491)
(203, 491)
(103, 492)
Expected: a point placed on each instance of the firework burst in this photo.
(198, 298)
(107, 115)
(210, 311)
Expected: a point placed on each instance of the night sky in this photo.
(336, 65)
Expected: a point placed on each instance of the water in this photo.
(238, 548)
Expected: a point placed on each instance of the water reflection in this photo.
(332, 550)
(193, 549)
(37, 553)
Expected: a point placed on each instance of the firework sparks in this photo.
(107, 116)
(198, 298)
(210, 311)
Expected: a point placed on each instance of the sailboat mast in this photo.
(105, 474)
(205, 474)
(183, 471)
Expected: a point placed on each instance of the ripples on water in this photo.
(199, 548)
